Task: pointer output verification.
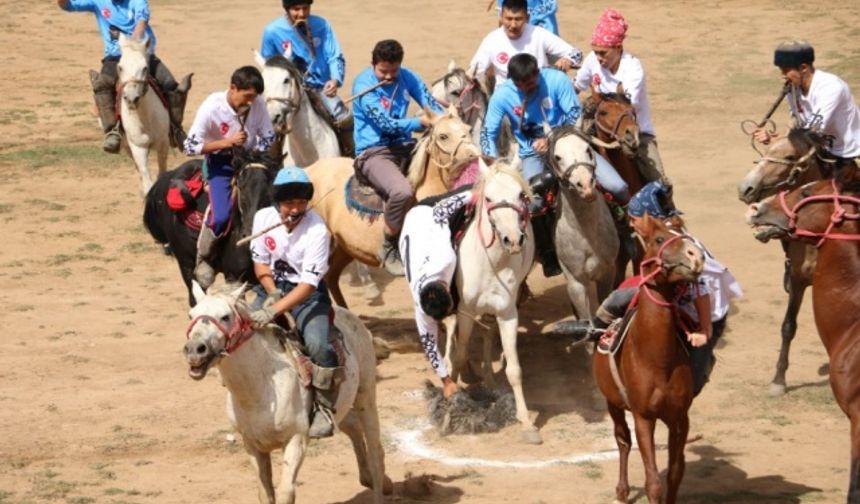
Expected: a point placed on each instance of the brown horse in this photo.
(650, 374)
(440, 156)
(818, 214)
(617, 132)
(791, 161)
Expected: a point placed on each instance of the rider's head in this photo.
(795, 60)
(436, 300)
(291, 192)
(655, 199)
(608, 38)
(523, 70)
(245, 84)
(386, 58)
(514, 17)
(297, 10)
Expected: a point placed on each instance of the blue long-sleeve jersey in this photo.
(320, 63)
(114, 18)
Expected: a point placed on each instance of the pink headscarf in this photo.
(610, 30)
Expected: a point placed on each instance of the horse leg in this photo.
(163, 151)
(622, 439)
(578, 294)
(450, 342)
(461, 347)
(645, 438)
(854, 482)
(338, 260)
(796, 289)
(368, 417)
(140, 156)
(508, 324)
(677, 441)
(294, 455)
(263, 463)
(487, 359)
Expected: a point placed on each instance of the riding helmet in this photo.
(793, 53)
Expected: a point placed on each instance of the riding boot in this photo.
(579, 330)
(176, 110)
(543, 229)
(326, 383)
(625, 235)
(204, 272)
(104, 91)
(389, 255)
(344, 131)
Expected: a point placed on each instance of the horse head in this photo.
(672, 252)
(503, 197)
(790, 162)
(283, 83)
(811, 212)
(461, 90)
(133, 70)
(571, 158)
(254, 174)
(615, 119)
(216, 326)
(448, 144)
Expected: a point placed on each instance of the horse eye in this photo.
(225, 318)
(602, 113)
(660, 240)
(522, 195)
(557, 157)
(286, 80)
(791, 157)
(119, 68)
(443, 136)
(456, 93)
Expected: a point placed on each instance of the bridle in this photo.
(613, 131)
(291, 105)
(240, 329)
(660, 266)
(522, 210)
(796, 168)
(564, 176)
(838, 216)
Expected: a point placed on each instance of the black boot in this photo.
(345, 140)
(104, 91)
(326, 382)
(545, 246)
(389, 255)
(176, 110)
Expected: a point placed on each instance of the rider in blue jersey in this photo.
(131, 18)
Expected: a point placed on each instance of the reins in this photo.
(838, 216)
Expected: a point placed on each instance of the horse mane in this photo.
(803, 139)
(502, 167)
(418, 165)
(243, 157)
(285, 64)
(617, 98)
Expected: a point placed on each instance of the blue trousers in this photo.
(219, 174)
(335, 106)
(313, 317)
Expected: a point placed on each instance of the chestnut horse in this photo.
(817, 213)
(790, 162)
(650, 374)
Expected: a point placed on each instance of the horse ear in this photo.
(258, 59)
(197, 291)
(185, 83)
(517, 164)
(434, 117)
(483, 169)
(595, 94)
(452, 65)
(619, 89)
(123, 40)
(237, 293)
(146, 41)
(452, 111)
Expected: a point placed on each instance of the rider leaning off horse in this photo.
(532, 100)
(131, 18)
(818, 100)
(427, 249)
(312, 46)
(383, 137)
(226, 120)
(516, 35)
(704, 304)
(609, 65)
(541, 13)
(290, 262)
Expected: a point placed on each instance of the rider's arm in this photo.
(420, 93)
(585, 73)
(260, 253)
(634, 82)
(428, 335)
(703, 310)
(314, 268)
(140, 11)
(556, 46)
(263, 272)
(77, 5)
(482, 59)
(568, 103)
(336, 62)
(492, 126)
(375, 113)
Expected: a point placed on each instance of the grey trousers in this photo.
(648, 158)
(384, 168)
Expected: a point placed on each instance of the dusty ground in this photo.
(95, 402)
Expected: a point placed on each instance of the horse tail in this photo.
(153, 207)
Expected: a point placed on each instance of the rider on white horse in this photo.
(290, 262)
(226, 120)
(430, 261)
(131, 18)
(534, 100)
(313, 48)
(383, 137)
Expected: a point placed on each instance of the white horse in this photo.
(585, 237)
(267, 402)
(307, 137)
(495, 256)
(145, 118)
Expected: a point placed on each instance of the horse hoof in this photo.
(387, 486)
(531, 436)
(824, 369)
(776, 390)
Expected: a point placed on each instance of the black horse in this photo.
(254, 174)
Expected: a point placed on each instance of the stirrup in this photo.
(322, 422)
(112, 141)
(604, 344)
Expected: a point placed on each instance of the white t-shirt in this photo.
(497, 49)
(715, 280)
(300, 256)
(216, 120)
(630, 75)
(829, 108)
(428, 256)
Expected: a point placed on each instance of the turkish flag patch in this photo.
(270, 243)
(385, 102)
(518, 111)
(224, 127)
(285, 45)
(503, 58)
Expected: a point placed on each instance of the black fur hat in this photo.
(792, 54)
(436, 301)
(292, 3)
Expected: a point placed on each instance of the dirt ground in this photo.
(95, 402)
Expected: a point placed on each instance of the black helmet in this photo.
(793, 53)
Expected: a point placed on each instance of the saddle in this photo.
(186, 197)
(362, 199)
(291, 340)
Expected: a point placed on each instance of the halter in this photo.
(613, 132)
(565, 175)
(660, 267)
(797, 167)
(838, 216)
(239, 332)
(522, 211)
(291, 105)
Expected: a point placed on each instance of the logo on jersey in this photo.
(385, 102)
(285, 45)
(270, 243)
(503, 58)
(224, 127)
(106, 13)
(595, 80)
(518, 111)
